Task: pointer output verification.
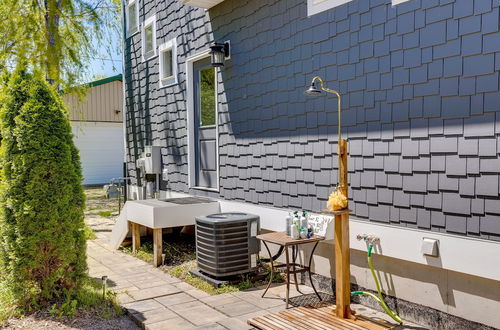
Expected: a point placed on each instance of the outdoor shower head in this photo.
(313, 90)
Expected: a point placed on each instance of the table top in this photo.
(339, 212)
(281, 238)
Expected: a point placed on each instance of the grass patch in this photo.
(90, 299)
(145, 253)
(106, 214)
(93, 299)
(89, 233)
(97, 201)
(180, 258)
(177, 248)
(182, 273)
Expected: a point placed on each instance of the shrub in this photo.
(42, 250)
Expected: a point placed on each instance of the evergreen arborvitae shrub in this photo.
(42, 242)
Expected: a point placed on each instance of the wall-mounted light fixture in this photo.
(219, 53)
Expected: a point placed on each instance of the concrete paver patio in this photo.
(156, 300)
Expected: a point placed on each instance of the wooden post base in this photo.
(157, 241)
(157, 247)
(136, 236)
(342, 266)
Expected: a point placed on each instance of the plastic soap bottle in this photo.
(303, 220)
(296, 218)
(294, 228)
(288, 223)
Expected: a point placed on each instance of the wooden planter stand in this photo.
(157, 241)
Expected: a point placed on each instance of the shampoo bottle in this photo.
(288, 223)
(296, 219)
(294, 228)
(303, 220)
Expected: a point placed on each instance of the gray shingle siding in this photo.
(421, 106)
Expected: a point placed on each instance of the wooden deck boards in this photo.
(319, 316)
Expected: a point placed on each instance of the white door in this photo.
(101, 150)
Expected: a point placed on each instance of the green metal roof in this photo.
(118, 77)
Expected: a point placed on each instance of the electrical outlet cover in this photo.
(430, 247)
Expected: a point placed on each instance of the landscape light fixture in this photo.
(313, 90)
(219, 52)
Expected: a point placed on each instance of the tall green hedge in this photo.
(42, 243)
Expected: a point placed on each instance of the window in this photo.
(132, 16)
(168, 63)
(149, 38)
(207, 96)
(318, 6)
(397, 2)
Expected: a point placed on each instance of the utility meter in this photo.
(152, 159)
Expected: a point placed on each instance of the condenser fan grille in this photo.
(225, 243)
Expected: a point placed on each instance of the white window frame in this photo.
(317, 6)
(132, 30)
(151, 21)
(171, 80)
(397, 2)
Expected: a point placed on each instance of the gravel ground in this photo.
(39, 321)
(96, 203)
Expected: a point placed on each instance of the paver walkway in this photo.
(156, 300)
(160, 301)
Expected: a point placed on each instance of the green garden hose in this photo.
(379, 299)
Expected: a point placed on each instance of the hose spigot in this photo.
(372, 239)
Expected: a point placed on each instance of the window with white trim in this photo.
(168, 63)
(397, 2)
(149, 38)
(318, 6)
(132, 17)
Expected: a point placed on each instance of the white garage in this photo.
(101, 150)
(97, 125)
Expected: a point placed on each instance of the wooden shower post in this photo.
(342, 250)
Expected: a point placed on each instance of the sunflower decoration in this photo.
(337, 200)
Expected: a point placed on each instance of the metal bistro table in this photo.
(281, 239)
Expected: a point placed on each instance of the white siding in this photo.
(101, 150)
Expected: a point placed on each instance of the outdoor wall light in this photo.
(219, 53)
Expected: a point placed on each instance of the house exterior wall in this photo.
(421, 109)
(420, 106)
(99, 104)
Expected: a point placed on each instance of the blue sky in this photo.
(107, 64)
